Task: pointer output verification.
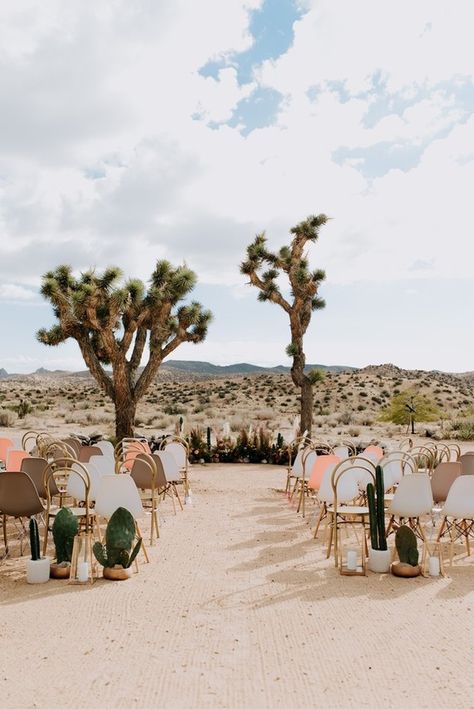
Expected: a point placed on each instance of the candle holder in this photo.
(83, 543)
(352, 561)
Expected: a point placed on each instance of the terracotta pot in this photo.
(60, 572)
(405, 570)
(116, 573)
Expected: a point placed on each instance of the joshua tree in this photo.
(304, 284)
(112, 323)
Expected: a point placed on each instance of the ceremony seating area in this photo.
(47, 474)
(429, 488)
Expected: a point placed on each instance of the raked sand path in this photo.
(239, 608)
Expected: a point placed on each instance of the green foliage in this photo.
(34, 540)
(405, 541)
(119, 538)
(375, 501)
(409, 403)
(316, 376)
(65, 528)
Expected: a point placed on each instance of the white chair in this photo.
(106, 447)
(179, 449)
(120, 491)
(308, 460)
(103, 463)
(341, 451)
(412, 499)
(326, 492)
(75, 484)
(172, 474)
(458, 512)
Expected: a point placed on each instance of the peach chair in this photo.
(5, 445)
(14, 458)
(318, 469)
(374, 453)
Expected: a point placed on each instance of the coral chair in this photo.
(5, 445)
(14, 458)
(319, 468)
(373, 453)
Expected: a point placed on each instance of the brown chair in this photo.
(147, 474)
(35, 467)
(18, 498)
(87, 451)
(74, 445)
(443, 477)
(467, 463)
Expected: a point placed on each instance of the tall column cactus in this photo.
(34, 540)
(375, 501)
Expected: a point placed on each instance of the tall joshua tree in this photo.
(304, 284)
(112, 323)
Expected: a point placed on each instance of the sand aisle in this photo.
(238, 609)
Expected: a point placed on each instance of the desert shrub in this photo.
(344, 418)
(463, 430)
(7, 418)
(174, 409)
(354, 432)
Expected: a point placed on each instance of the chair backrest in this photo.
(106, 447)
(144, 471)
(74, 445)
(72, 478)
(467, 464)
(297, 467)
(341, 451)
(14, 458)
(395, 465)
(35, 467)
(5, 445)
(178, 448)
(76, 484)
(373, 453)
(349, 478)
(18, 495)
(413, 496)
(87, 451)
(118, 491)
(127, 450)
(442, 479)
(325, 492)
(319, 468)
(460, 500)
(171, 468)
(105, 464)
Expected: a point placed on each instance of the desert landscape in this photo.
(346, 403)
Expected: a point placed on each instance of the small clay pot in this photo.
(405, 570)
(60, 571)
(116, 573)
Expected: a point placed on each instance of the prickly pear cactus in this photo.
(65, 528)
(405, 541)
(119, 538)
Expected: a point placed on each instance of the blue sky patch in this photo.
(271, 27)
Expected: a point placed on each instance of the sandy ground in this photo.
(239, 608)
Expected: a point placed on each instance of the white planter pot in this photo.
(379, 560)
(38, 571)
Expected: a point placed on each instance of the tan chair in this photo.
(74, 445)
(149, 478)
(443, 477)
(35, 467)
(467, 464)
(18, 498)
(86, 452)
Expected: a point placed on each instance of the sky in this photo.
(133, 130)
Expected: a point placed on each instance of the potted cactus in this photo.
(116, 555)
(65, 528)
(37, 569)
(379, 554)
(405, 541)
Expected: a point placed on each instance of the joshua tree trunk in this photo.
(124, 420)
(302, 381)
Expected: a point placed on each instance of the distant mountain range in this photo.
(194, 367)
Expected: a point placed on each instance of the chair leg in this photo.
(322, 513)
(175, 490)
(145, 553)
(46, 531)
(331, 531)
(5, 540)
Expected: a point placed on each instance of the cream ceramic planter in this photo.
(379, 561)
(37, 571)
